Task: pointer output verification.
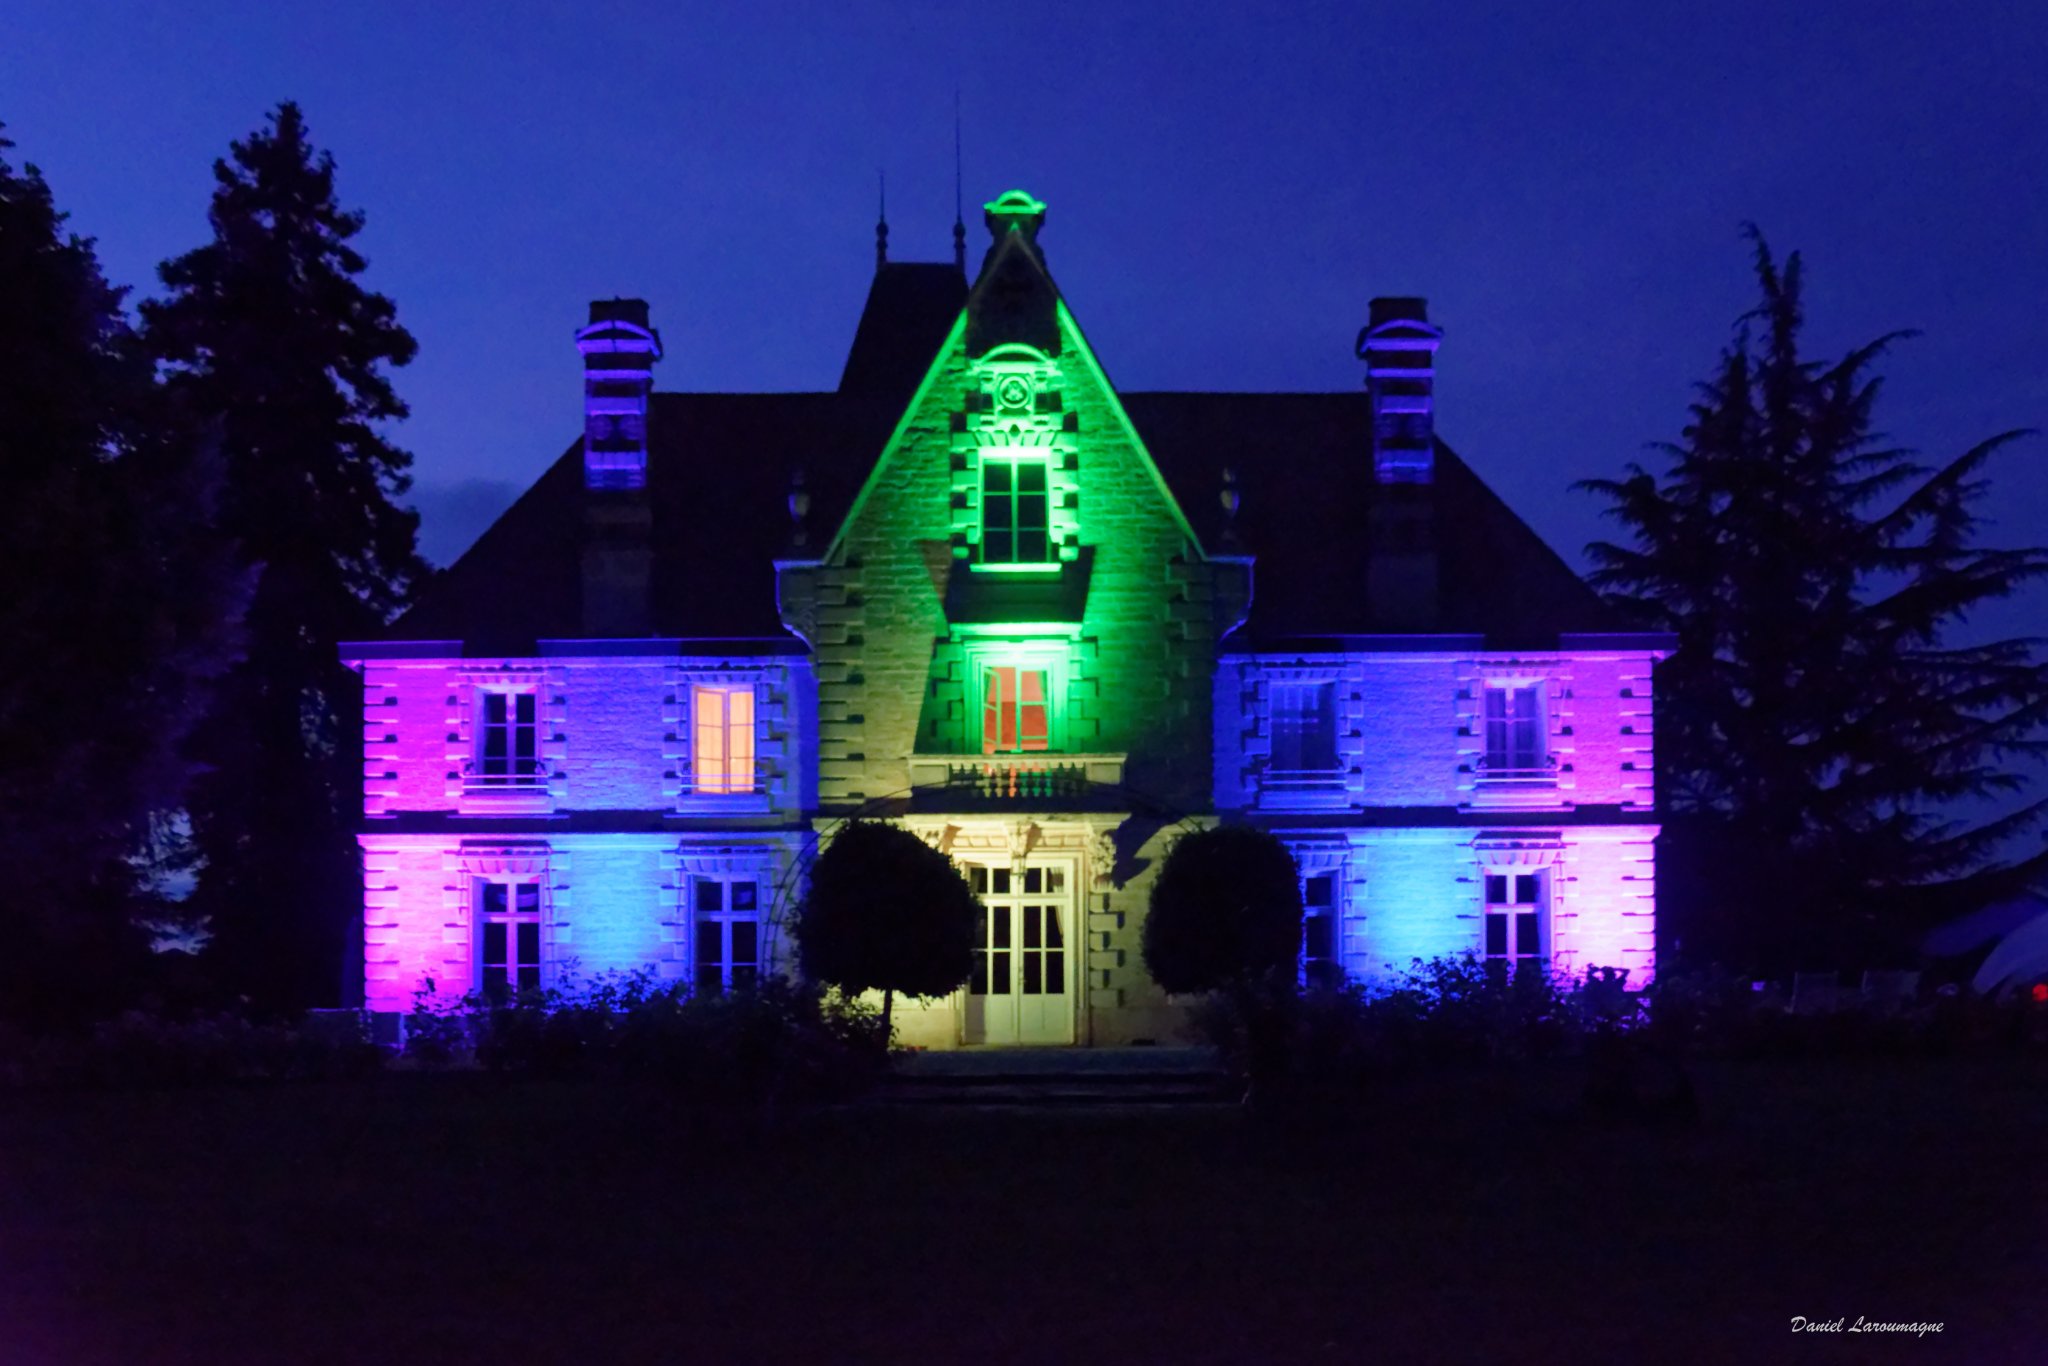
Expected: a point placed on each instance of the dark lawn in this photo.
(452, 1219)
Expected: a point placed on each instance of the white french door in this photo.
(1021, 991)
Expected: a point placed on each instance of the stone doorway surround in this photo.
(1079, 845)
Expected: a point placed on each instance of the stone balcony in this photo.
(1015, 781)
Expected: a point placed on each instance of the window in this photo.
(508, 740)
(1020, 920)
(508, 924)
(1304, 728)
(1015, 510)
(727, 913)
(1016, 713)
(722, 752)
(1517, 747)
(1319, 964)
(1514, 919)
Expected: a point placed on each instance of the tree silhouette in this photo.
(1225, 911)
(267, 330)
(1820, 718)
(886, 912)
(120, 605)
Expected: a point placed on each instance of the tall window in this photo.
(1319, 964)
(508, 739)
(508, 932)
(1015, 509)
(727, 912)
(722, 752)
(1516, 745)
(1304, 727)
(1514, 919)
(1016, 713)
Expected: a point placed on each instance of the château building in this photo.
(1044, 624)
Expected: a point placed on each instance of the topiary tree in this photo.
(888, 913)
(1226, 912)
(1226, 916)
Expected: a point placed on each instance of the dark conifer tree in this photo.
(1828, 710)
(118, 602)
(267, 330)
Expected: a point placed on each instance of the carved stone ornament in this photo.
(1021, 837)
(1102, 858)
(939, 837)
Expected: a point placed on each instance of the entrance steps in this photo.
(1047, 1078)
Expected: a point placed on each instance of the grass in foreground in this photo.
(453, 1219)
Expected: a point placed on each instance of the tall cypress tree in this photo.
(267, 330)
(1824, 717)
(118, 602)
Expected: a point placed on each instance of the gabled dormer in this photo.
(1014, 582)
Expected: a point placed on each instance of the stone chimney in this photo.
(1398, 346)
(619, 349)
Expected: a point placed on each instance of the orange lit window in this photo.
(722, 756)
(1015, 717)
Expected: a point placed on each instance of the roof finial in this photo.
(799, 508)
(882, 221)
(959, 227)
(1231, 501)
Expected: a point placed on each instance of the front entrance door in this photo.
(1022, 987)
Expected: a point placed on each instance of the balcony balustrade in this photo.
(506, 774)
(1015, 779)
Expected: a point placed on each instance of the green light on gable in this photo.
(1014, 204)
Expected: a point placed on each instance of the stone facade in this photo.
(1011, 639)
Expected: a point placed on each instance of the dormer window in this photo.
(1015, 508)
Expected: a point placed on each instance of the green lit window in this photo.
(1015, 510)
(1016, 714)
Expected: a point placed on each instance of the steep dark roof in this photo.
(1304, 475)
(718, 483)
(719, 479)
(911, 307)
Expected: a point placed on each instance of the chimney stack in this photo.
(1398, 346)
(619, 349)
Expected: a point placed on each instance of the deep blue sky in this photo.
(1226, 191)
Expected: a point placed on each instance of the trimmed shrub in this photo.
(1225, 912)
(886, 912)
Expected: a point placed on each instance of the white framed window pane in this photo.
(722, 734)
